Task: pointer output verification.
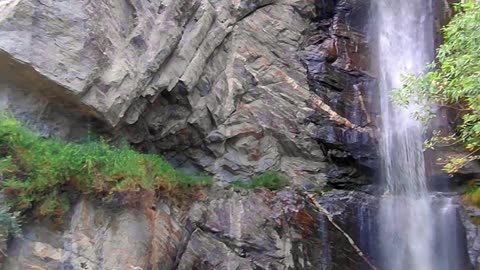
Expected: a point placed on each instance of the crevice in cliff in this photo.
(184, 244)
(269, 3)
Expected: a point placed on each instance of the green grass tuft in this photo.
(472, 196)
(42, 174)
(269, 180)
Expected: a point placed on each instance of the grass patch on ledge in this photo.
(472, 197)
(270, 180)
(44, 174)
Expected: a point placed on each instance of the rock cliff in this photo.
(232, 230)
(231, 87)
(222, 86)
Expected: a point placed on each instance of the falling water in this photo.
(408, 218)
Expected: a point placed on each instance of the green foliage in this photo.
(9, 225)
(44, 174)
(472, 196)
(269, 180)
(454, 82)
(9, 222)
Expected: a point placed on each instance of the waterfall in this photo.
(410, 238)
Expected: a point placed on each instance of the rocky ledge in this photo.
(230, 230)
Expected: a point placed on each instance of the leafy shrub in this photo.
(453, 82)
(472, 197)
(44, 174)
(9, 225)
(9, 222)
(269, 180)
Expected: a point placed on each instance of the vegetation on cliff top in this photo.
(44, 174)
(453, 82)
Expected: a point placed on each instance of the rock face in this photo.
(233, 230)
(356, 212)
(231, 87)
(336, 55)
(471, 221)
(221, 86)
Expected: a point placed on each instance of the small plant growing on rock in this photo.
(269, 180)
(472, 196)
(9, 225)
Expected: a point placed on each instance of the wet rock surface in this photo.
(356, 212)
(233, 230)
(337, 57)
(471, 221)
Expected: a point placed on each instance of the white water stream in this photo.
(411, 238)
